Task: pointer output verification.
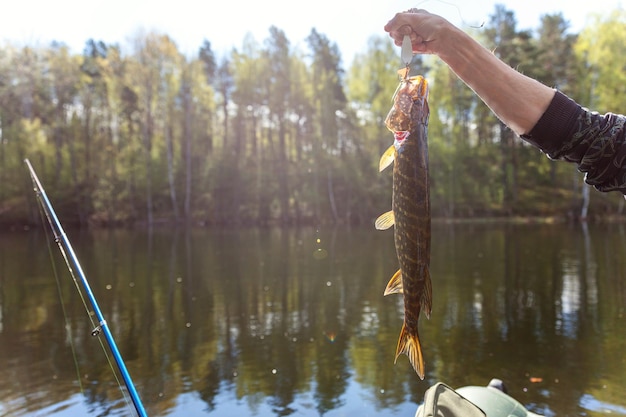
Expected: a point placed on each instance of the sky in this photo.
(225, 23)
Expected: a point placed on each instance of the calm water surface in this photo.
(278, 322)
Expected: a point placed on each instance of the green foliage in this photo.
(602, 49)
(271, 133)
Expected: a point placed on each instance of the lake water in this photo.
(279, 322)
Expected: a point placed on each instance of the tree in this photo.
(600, 47)
(516, 49)
(270, 133)
(209, 69)
(557, 64)
(329, 102)
(250, 69)
(157, 77)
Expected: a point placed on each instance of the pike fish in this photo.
(410, 214)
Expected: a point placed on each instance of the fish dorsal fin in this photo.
(394, 286)
(385, 221)
(387, 158)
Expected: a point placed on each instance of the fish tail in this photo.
(409, 344)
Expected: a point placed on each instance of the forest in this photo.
(271, 134)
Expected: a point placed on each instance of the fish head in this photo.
(408, 102)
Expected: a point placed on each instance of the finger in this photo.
(403, 18)
(400, 33)
(405, 30)
(397, 21)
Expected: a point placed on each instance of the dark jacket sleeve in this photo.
(597, 143)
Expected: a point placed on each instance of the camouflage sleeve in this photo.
(597, 143)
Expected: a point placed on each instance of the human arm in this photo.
(541, 115)
(595, 142)
(517, 100)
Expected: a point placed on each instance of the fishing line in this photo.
(67, 252)
(96, 328)
(68, 327)
(458, 10)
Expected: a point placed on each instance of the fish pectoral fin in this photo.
(394, 286)
(387, 158)
(427, 295)
(385, 221)
(409, 344)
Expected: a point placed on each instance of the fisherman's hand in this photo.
(423, 27)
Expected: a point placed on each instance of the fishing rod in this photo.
(63, 241)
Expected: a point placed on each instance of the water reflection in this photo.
(282, 322)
